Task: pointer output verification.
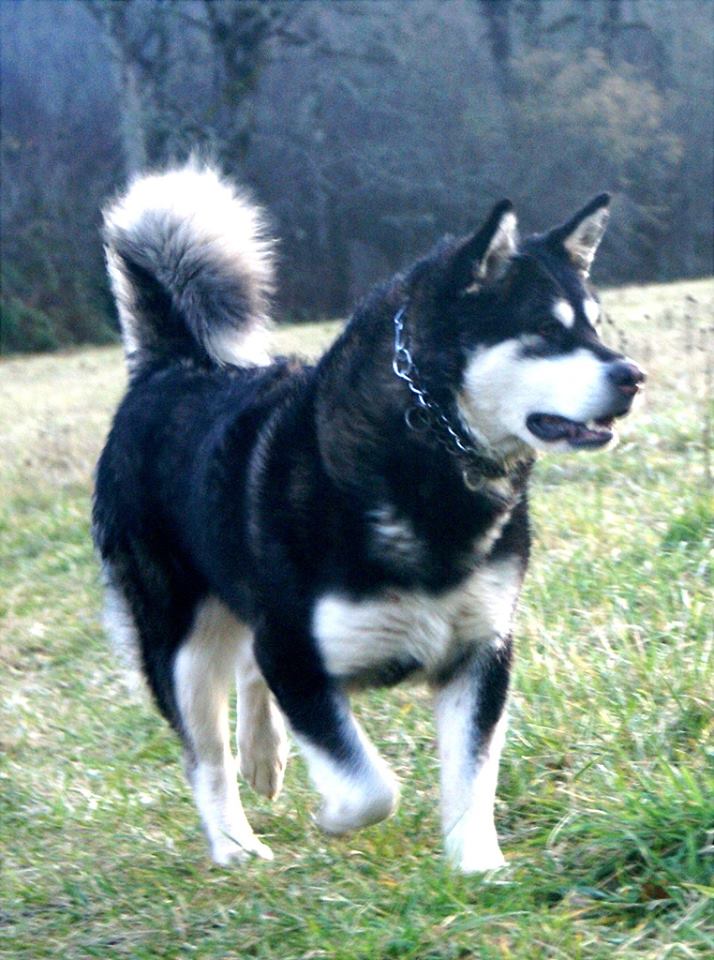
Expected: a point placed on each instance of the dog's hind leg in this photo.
(260, 728)
(204, 668)
(356, 785)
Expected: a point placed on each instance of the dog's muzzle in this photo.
(625, 379)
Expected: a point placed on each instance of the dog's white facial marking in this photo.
(409, 626)
(563, 312)
(591, 309)
(354, 795)
(203, 672)
(502, 387)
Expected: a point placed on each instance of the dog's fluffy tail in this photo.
(191, 269)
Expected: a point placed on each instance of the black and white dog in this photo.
(309, 530)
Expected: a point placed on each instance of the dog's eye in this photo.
(549, 328)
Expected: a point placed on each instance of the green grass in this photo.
(606, 800)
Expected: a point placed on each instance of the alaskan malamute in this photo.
(304, 530)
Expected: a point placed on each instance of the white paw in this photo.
(473, 853)
(227, 850)
(359, 807)
(481, 861)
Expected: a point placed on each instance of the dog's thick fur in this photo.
(298, 529)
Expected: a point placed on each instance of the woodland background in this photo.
(366, 128)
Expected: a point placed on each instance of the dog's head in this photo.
(531, 367)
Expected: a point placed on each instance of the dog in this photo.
(310, 530)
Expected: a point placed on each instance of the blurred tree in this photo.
(366, 129)
(610, 27)
(610, 127)
(497, 14)
(240, 36)
(58, 163)
(139, 35)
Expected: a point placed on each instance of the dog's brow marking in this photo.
(591, 309)
(564, 312)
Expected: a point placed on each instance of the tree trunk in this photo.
(610, 28)
(133, 133)
(497, 14)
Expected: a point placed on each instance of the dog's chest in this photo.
(412, 627)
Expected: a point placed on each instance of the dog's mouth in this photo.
(591, 434)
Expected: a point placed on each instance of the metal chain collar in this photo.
(428, 419)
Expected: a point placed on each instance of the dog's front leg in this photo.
(471, 725)
(356, 785)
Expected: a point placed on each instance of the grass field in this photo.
(606, 801)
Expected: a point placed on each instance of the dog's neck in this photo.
(368, 432)
(441, 427)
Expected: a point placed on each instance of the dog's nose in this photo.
(626, 376)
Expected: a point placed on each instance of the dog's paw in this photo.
(469, 853)
(262, 760)
(263, 752)
(481, 861)
(227, 851)
(264, 774)
(358, 809)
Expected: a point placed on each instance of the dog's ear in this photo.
(581, 235)
(483, 256)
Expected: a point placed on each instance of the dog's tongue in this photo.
(549, 427)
